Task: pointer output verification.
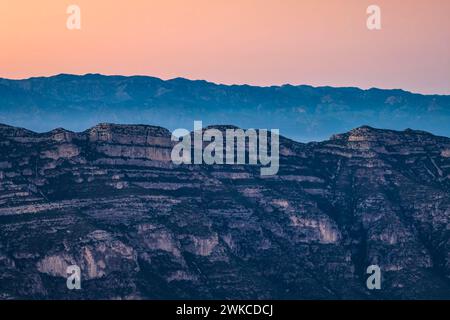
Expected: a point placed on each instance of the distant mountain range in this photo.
(111, 201)
(303, 113)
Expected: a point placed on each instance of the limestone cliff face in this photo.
(99, 255)
(110, 201)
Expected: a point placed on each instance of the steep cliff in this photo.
(110, 200)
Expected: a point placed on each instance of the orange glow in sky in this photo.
(261, 42)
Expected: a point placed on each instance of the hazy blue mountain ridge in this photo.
(300, 112)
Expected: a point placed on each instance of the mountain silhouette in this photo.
(303, 113)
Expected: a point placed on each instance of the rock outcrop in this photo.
(110, 201)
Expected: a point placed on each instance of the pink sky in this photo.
(261, 42)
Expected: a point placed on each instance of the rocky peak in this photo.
(127, 134)
(369, 137)
(9, 131)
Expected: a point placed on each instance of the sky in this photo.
(258, 42)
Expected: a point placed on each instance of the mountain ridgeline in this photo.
(110, 200)
(302, 113)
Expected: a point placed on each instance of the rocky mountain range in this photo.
(304, 113)
(110, 200)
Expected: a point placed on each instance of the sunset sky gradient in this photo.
(260, 42)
